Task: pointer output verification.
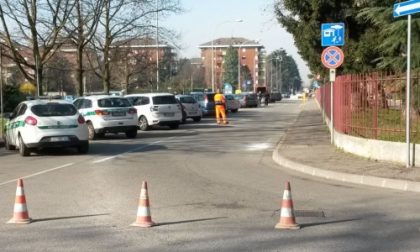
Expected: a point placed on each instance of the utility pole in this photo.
(1, 89)
(157, 45)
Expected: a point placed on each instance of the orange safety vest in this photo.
(219, 99)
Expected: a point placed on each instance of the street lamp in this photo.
(1, 88)
(212, 48)
(279, 75)
(157, 46)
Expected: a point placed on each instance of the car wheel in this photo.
(7, 145)
(143, 124)
(174, 126)
(131, 133)
(91, 130)
(83, 149)
(23, 149)
(197, 119)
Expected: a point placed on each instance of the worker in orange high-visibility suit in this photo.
(220, 103)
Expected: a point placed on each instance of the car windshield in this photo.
(54, 109)
(187, 99)
(164, 99)
(198, 97)
(113, 103)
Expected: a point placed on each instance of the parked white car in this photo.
(156, 109)
(108, 114)
(232, 104)
(39, 124)
(191, 108)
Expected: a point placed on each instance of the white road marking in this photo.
(259, 146)
(121, 154)
(70, 164)
(38, 173)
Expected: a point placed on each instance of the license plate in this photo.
(118, 113)
(168, 114)
(59, 139)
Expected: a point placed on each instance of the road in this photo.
(211, 188)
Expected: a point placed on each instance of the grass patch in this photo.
(383, 124)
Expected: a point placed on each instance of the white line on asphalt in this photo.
(38, 173)
(121, 154)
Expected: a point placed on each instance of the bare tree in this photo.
(81, 28)
(38, 26)
(131, 68)
(124, 19)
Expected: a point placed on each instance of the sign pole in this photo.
(408, 91)
(332, 112)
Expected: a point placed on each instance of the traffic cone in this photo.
(20, 211)
(287, 215)
(144, 219)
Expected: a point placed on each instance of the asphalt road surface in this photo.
(211, 188)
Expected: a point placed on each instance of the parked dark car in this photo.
(275, 96)
(247, 100)
(206, 102)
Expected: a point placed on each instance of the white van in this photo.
(156, 109)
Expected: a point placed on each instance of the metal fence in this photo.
(373, 105)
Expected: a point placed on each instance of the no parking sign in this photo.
(332, 57)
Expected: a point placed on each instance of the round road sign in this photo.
(332, 57)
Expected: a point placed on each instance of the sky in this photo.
(205, 20)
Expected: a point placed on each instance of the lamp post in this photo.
(1, 89)
(157, 46)
(212, 48)
(279, 76)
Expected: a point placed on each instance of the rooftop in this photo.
(139, 42)
(235, 42)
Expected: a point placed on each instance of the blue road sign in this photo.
(332, 34)
(406, 8)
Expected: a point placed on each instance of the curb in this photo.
(402, 185)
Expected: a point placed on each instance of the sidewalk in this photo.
(306, 148)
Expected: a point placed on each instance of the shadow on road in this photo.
(68, 217)
(326, 222)
(188, 221)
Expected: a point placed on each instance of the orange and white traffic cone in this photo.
(20, 211)
(144, 219)
(287, 216)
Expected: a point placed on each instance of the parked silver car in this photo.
(191, 108)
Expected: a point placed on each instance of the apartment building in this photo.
(251, 59)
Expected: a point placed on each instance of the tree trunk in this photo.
(40, 77)
(80, 71)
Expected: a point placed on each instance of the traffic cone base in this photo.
(287, 226)
(144, 225)
(20, 211)
(16, 221)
